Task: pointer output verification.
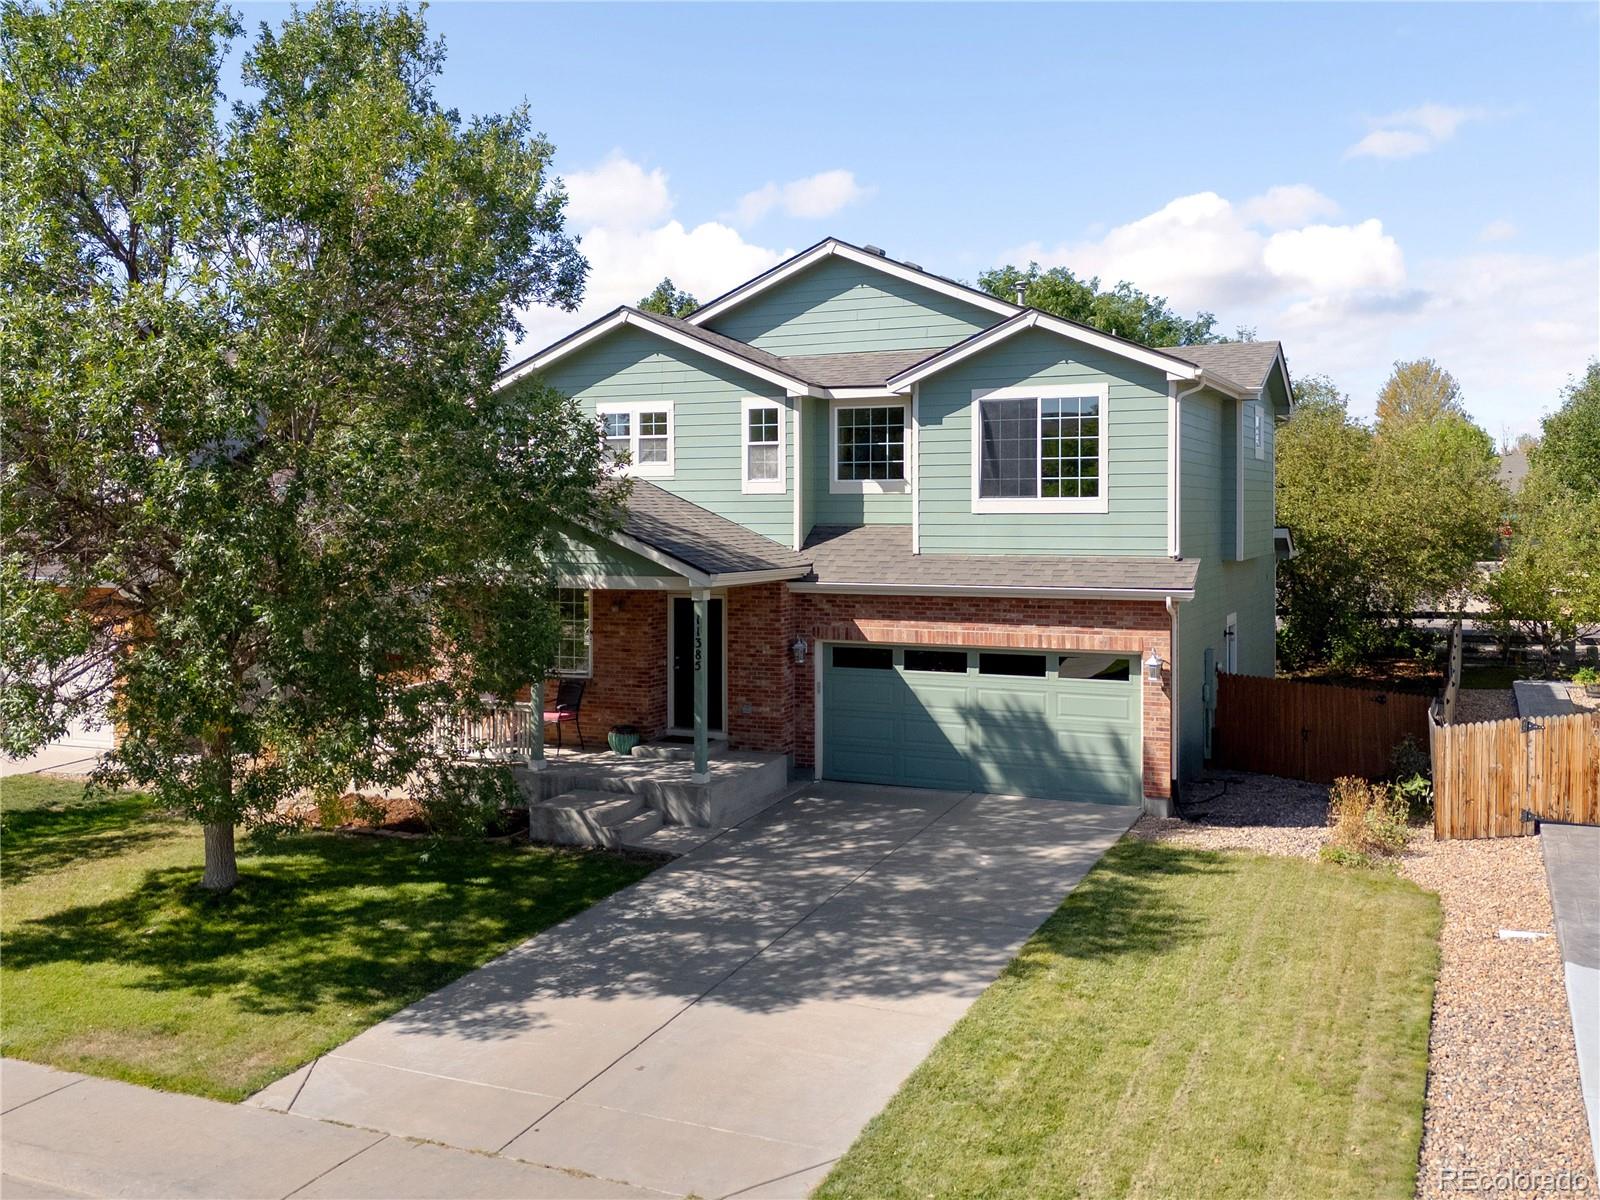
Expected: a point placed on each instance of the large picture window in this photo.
(642, 432)
(1039, 451)
(573, 649)
(869, 448)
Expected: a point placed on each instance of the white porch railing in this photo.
(501, 733)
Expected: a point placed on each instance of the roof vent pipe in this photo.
(1020, 291)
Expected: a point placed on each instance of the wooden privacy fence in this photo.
(1487, 774)
(1312, 731)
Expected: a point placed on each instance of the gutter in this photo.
(1169, 595)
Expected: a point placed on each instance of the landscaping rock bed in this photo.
(1485, 704)
(1503, 1091)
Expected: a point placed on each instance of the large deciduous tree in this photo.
(1383, 524)
(669, 300)
(1123, 310)
(1548, 587)
(1418, 392)
(262, 503)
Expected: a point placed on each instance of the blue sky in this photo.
(1366, 182)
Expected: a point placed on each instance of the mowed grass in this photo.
(114, 962)
(1186, 1024)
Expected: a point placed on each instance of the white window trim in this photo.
(839, 486)
(588, 637)
(633, 408)
(1230, 644)
(1043, 504)
(1258, 430)
(763, 487)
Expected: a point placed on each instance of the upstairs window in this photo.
(869, 448)
(763, 466)
(1255, 423)
(642, 432)
(1038, 451)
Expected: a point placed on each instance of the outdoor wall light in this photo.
(1152, 666)
(798, 649)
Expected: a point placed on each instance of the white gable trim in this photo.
(832, 247)
(1176, 369)
(623, 316)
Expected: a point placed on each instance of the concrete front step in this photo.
(678, 751)
(589, 818)
(741, 783)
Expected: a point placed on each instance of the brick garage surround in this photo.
(1132, 626)
(761, 668)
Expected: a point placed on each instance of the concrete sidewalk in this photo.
(1572, 867)
(69, 1135)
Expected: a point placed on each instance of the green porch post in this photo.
(702, 698)
(536, 703)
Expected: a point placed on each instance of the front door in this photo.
(682, 642)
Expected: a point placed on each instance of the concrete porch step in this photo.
(589, 818)
(740, 783)
(665, 751)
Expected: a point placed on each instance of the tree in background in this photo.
(1418, 391)
(1123, 310)
(1383, 523)
(1570, 447)
(669, 301)
(1548, 587)
(261, 500)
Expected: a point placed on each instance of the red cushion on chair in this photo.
(552, 717)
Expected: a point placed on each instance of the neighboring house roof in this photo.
(872, 258)
(700, 539)
(879, 557)
(1513, 469)
(1250, 363)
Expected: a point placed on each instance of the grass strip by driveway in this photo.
(1188, 1023)
(112, 961)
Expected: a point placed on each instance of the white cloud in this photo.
(1291, 204)
(624, 216)
(1339, 258)
(1497, 231)
(1347, 302)
(618, 194)
(1202, 251)
(1412, 131)
(812, 198)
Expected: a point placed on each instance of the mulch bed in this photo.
(1503, 1094)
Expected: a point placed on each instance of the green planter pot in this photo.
(623, 739)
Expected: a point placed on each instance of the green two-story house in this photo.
(909, 533)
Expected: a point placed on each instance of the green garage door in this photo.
(1022, 723)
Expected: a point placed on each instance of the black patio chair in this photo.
(568, 706)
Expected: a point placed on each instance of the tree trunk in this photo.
(222, 869)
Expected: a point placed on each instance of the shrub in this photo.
(1340, 857)
(1412, 775)
(1366, 818)
(1586, 675)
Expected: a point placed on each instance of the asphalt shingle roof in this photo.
(881, 554)
(699, 537)
(863, 368)
(1246, 363)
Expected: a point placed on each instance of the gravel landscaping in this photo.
(1485, 704)
(1503, 1092)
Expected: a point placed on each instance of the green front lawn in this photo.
(112, 961)
(1186, 1024)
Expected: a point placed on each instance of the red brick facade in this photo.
(771, 700)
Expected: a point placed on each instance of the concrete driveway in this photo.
(729, 1024)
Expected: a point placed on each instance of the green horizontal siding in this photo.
(1137, 426)
(844, 508)
(839, 306)
(631, 365)
(579, 554)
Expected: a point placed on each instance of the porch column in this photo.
(702, 698)
(536, 703)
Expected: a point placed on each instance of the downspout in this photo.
(1174, 708)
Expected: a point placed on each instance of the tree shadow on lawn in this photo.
(320, 919)
(1124, 908)
(40, 840)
